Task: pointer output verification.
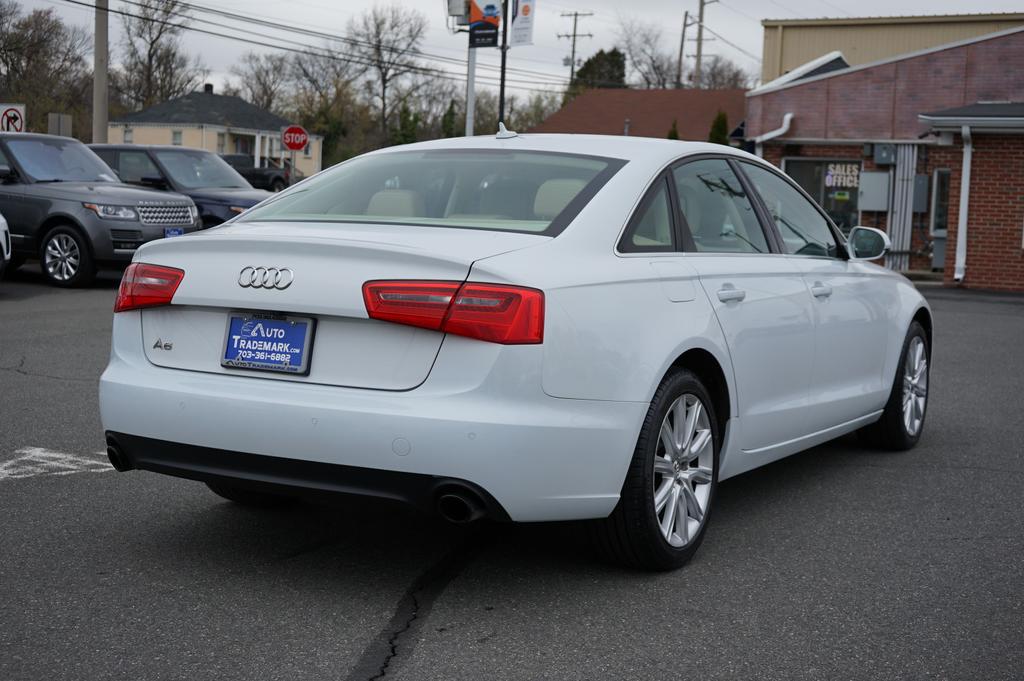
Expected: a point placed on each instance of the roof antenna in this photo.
(504, 133)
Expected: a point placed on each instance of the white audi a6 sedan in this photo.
(525, 328)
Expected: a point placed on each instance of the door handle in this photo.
(728, 293)
(820, 290)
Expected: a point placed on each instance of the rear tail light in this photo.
(147, 286)
(512, 315)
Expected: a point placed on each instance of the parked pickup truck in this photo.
(267, 177)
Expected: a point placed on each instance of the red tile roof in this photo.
(650, 112)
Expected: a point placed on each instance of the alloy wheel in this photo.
(62, 257)
(683, 470)
(915, 385)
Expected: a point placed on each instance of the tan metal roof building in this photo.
(789, 43)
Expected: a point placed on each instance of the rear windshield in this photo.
(519, 191)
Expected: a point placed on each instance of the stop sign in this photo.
(294, 137)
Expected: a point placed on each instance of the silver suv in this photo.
(65, 206)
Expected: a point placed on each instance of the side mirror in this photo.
(868, 243)
(6, 173)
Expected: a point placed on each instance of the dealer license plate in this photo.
(268, 342)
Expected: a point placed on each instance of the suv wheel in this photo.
(65, 258)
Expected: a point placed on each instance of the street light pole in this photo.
(504, 54)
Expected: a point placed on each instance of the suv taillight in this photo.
(146, 285)
(511, 315)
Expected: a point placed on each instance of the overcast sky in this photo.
(738, 21)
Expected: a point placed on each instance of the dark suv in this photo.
(218, 191)
(66, 206)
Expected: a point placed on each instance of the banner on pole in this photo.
(522, 23)
(484, 20)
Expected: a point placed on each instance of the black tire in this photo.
(249, 497)
(890, 431)
(278, 185)
(84, 267)
(631, 535)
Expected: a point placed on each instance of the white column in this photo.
(257, 150)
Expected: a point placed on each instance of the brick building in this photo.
(889, 143)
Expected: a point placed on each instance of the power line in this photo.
(305, 51)
(291, 28)
(731, 44)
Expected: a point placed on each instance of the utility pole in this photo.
(101, 62)
(504, 55)
(572, 36)
(698, 67)
(682, 43)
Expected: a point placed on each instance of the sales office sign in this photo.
(842, 175)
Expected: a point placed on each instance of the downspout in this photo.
(960, 264)
(772, 134)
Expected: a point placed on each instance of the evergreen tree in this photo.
(448, 121)
(673, 132)
(719, 129)
(408, 122)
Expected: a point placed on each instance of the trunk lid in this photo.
(329, 264)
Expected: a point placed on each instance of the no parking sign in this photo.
(12, 118)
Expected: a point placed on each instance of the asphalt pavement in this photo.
(837, 563)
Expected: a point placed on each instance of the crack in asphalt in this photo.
(413, 608)
(19, 368)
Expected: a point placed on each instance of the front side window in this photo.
(804, 230)
(523, 191)
(135, 165)
(198, 169)
(651, 227)
(58, 160)
(717, 211)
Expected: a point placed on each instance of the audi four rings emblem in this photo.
(266, 277)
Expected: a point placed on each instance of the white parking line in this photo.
(33, 461)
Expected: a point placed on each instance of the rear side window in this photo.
(717, 210)
(521, 191)
(804, 229)
(651, 227)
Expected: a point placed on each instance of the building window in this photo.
(243, 145)
(222, 142)
(129, 136)
(176, 138)
(940, 202)
(308, 150)
(833, 184)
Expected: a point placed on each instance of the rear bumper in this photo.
(487, 423)
(289, 476)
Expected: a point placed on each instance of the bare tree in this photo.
(43, 63)
(324, 98)
(262, 79)
(719, 72)
(154, 68)
(648, 65)
(386, 39)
